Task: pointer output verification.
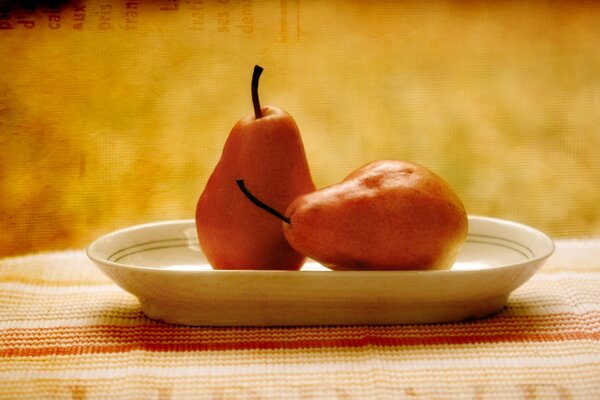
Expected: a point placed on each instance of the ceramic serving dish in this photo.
(162, 265)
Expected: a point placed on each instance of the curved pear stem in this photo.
(254, 87)
(260, 204)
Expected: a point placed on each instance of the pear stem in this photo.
(254, 88)
(260, 204)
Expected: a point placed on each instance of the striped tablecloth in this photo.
(67, 332)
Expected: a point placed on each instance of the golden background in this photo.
(114, 113)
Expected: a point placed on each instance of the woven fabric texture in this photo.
(67, 332)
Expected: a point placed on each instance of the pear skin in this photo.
(267, 151)
(387, 215)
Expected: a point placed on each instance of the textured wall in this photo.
(114, 112)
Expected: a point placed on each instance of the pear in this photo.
(387, 215)
(266, 149)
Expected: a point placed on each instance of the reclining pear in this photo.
(387, 215)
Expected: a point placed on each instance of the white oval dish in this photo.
(162, 265)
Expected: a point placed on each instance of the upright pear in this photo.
(387, 215)
(266, 149)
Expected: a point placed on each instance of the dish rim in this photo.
(89, 250)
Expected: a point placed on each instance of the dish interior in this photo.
(174, 246)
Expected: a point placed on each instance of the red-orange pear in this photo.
(266, 149)
(387, 215)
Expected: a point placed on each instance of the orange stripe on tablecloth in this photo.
(501, 323)
(367, 340)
